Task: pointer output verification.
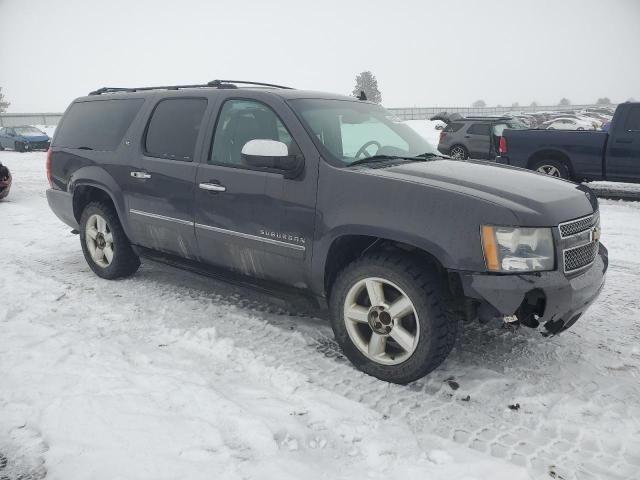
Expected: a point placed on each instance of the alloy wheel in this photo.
(549, 170)
(381, 321)
(457, 153)
(99, 240)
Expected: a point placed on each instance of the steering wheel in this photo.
(363, 149)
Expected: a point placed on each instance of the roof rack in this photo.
(480, 117)
(211, 84)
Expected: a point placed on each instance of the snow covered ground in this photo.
(169, 375)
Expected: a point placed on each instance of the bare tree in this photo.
(603, 101)
(533, 104)
(3, 103)
(564, 102)
(479, 104)
(366, 82)
(515, 104)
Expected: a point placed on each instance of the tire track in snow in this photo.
(428, 406)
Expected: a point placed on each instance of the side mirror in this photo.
(264, 153)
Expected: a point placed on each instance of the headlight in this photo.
(511, 249)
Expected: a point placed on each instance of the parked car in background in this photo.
(603, 155)
(23, 139)
(566, 123)
(475, 137)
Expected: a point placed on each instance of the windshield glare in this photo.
(351, 130)
(28, 131)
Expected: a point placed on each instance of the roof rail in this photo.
(211, 84)
(486, 117)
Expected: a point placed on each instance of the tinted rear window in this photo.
(99, 125)
(479, 129)
(174, 127)
(453, 127)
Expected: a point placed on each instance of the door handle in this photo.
(213, 187)
(467, 136)
(141, 175)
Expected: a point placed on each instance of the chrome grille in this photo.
(573, 227)
(580, 257)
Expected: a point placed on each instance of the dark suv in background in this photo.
(331, 198)
(475, 137)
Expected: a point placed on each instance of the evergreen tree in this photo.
(3, 103)
(564, 102)
(603, 101)
(366, 82)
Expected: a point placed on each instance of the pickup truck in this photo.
(579, 155)
(328, 197)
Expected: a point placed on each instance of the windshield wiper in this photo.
(376, 159)
(427, 155)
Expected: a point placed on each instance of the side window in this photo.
(632, 123)
(479, 129)
(241, 121)
(173, 128)
(98, 124)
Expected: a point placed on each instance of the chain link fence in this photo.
(411, 113)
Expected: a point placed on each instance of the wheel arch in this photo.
(346, 247)
(551, 154)
(94, 184)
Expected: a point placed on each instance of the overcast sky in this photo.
(424, 53)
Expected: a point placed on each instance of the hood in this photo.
(534, 198)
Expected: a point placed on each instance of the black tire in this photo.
(19, 147)
(547, 166)
(1, 148)
(464, 153)
(437, 332)
(124, 262)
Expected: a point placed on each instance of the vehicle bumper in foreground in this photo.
(552, 299)
(61, 203)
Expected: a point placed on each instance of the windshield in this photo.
(348, 131)
(28, 131)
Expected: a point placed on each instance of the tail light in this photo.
(442, 135)
(502, 148)
(49, 174)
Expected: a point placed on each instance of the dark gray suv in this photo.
(475, 137)
(331, 198)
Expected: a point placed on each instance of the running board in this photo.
(281, 295)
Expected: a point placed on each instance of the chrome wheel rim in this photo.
(99, 240)
(381, 321)
(457, 152)
(549, 170)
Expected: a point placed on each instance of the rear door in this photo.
(255, 222)
(161, 183)
(623, 149)
(478, 140)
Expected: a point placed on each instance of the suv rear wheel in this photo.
(389, 317)
(104, 243)
(458, 152)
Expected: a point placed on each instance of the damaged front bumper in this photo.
(553, 299)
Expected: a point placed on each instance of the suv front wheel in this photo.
(389, 316)
(104, 243)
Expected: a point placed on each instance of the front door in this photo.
(161, 183)
(623, 151)
(253, 221)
